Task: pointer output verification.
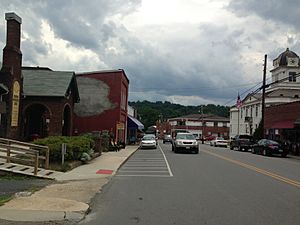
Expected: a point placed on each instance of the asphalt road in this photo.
(218, 186)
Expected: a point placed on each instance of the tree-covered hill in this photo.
(150, 112)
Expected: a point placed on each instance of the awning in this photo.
(3, 89)
(133, 123)
(297, 122)
(288, 124)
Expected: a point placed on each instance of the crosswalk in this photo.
(146, 163)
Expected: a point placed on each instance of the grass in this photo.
(4, 199)
(10, 176)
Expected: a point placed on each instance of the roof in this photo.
(198, 117)
(46, 82)
(104, 71)
(282, 58)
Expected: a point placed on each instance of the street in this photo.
(216, 186)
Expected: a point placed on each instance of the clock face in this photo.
(293, 61)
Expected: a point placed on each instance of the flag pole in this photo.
(238, 128)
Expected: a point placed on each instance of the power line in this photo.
(188, 88)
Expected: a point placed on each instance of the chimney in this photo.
(11, 78)
(12, 55)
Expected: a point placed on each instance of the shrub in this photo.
(75, 146)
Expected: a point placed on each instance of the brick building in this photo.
(35, 102)
(282, 122)
(201, 125)
(38, 102)
(103, 103)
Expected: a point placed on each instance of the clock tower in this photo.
(285, 74)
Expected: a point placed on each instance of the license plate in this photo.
(187, 147)
(280, 150)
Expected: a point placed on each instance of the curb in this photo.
(125, 160)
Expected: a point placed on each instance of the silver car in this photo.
(185, 142)
(148, 141)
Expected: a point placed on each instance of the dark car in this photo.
(167, 138)
(268, 147)
(242, 142)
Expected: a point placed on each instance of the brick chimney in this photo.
(11, 77)
(12, 55)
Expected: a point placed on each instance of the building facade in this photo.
(103, 103)
(201, 125)
(284, 88)
(35, 102)
(286, 124)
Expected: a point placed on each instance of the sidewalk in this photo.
(69, 197)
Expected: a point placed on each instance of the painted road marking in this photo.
(169, 168)
(256, 169)
(146, 163)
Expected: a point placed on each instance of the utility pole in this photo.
(263, 99)
(202, 124)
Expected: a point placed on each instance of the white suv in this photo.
(185, 142)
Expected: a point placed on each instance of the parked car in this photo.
(242, 142)
(209, 138)
(167, 138)
(148, 141)
(268, 147)
(185, 142)
(219, 141)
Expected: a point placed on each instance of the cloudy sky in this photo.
(189, 52)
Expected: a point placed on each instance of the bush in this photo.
(76, 146)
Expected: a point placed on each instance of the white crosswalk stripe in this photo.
(147, 163)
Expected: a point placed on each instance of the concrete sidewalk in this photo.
(69, 197)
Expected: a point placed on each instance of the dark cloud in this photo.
(282, 11)
(210, 60)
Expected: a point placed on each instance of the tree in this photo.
(258, 134)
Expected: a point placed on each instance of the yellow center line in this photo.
(273, 175)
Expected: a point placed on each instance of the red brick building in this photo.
(201, 125)
(103, 103)
(35, 102)
(282, 122)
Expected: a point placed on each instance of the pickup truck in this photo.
(242, 142)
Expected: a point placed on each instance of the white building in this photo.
(286, 69)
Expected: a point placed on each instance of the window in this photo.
(215, 124)
(256, 111)
(296, 96)
(292, 76)
(181, 123)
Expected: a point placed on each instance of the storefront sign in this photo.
(120, 126)
(15, 104)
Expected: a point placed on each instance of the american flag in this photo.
(238, 102)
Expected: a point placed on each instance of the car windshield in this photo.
(219, 138)
(148, 137)
(272, 142)
(245, 137)
(185, 136)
